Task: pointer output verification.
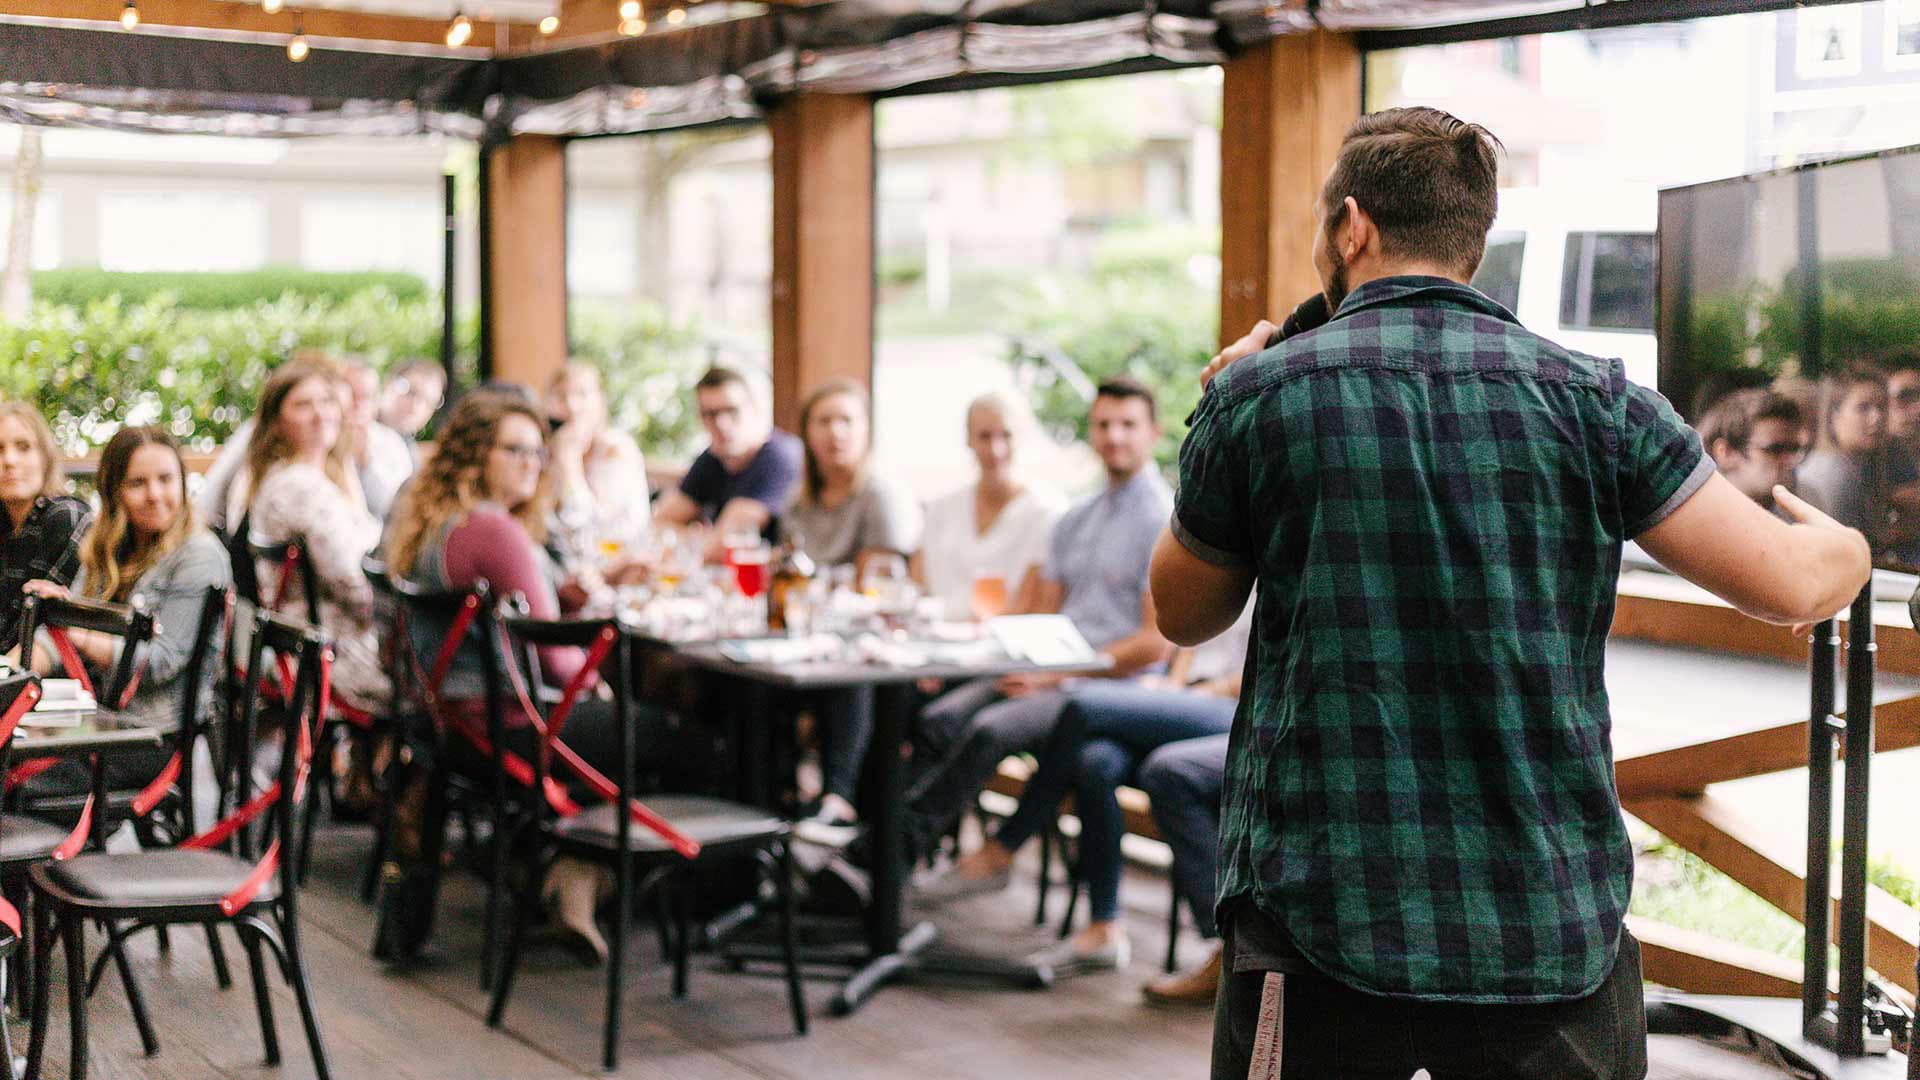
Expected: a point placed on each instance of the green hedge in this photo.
(92, 368)
(218, 291)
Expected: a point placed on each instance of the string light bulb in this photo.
(129, 16)
(297, 47)
(676, 15)
(629, 10)
(459, 30)
(271, 7)
(549, 24)
(633, 27)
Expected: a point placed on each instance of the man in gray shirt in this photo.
(1096, 575)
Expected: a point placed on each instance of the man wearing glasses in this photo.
(746, 474)
(1757, 438)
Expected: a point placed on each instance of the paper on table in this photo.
(1046, 640)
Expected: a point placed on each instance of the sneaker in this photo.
(1194, 986)
(1062, 958)
(950, 886)
(827, 829)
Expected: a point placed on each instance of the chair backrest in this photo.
(601, 638)
(132, 625)
(310, 654)
(295, 570)
(210, 636)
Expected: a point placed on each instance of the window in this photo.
(1499, 273)
(177, 231)
(1606, 282)
(373, 232)
(1903, 33)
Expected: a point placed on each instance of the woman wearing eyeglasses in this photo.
(478, 511)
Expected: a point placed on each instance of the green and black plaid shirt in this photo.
(1420, 783)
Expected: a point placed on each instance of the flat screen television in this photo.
(1788, 317)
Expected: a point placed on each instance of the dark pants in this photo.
(959, 741)
(1270, 1026)
(1104, 733)
(1184, 781)
(846, 730)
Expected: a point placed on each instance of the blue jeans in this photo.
(1184, 780)
(1104, 733)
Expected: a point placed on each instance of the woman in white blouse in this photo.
(997, 528)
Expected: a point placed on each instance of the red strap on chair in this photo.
(76, 839)
(250, 888)
(158, 787)
(289, 564)
(239, 898)
(596, 781)
(22, 705)
(29, 769)
(450, 645)
(77, 668)
(70, 657)
(241, 817)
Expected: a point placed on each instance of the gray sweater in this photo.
(173, 590)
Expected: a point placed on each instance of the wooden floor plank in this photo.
(426, 1024)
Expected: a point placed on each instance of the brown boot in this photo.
(1194, 986)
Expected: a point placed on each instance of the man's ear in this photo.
(1720, 450)
(1361, 235)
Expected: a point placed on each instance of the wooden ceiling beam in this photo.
(247, 17)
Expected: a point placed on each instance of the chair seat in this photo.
(709, 822)
(171, 876)
(25, 839)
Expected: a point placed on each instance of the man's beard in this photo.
(1335, 285)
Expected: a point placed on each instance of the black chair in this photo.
(162, 810)
(194, 882)
(294, 577)
(671, 839)
(18, 694)
(435, 627)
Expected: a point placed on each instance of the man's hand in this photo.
(1024, 683)
(1805, 513)
(1255, 341)
(45, 588)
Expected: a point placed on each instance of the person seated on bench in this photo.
(1095, 575)
(1105, 732)
(1184, 780)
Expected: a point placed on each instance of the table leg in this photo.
(99, 802)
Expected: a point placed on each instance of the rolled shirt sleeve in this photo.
(1209, 509)
(1662, 463)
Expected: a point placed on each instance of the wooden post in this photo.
(1288, 103)
(822, 246)
(527, 258)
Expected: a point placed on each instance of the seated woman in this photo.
(149, 549)
(1106, 731)
(41, 530)
(299, 483)
(478, 510)
(1843, 474)
(600, 477)
(996, 530)
(844, 516)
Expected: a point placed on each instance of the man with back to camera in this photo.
(746, 474)
(1420, 835)
(1756, 438)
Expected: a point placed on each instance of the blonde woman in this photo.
(147, 548)
(41, 529)
(598, 470)
(995, 528)
(299, 483)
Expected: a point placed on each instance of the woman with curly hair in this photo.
(478, 510)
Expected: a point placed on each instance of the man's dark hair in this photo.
(1429, 181)
(718, 377)
(1734, 417)
(1904, 359)
(1123, 387)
